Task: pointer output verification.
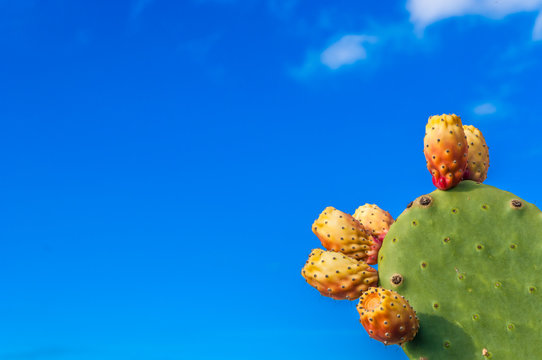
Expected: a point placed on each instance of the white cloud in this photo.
(352, 48)
(348, 50)
(485, 109)
(426, 12)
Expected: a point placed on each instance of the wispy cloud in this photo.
(354, 49)
(426, 12)
(348, 50)
(400, 37)
(485, 109)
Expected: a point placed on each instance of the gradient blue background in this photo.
(162, 163)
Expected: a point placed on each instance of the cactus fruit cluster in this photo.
(458, 271)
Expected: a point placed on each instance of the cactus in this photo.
(468, 259)
(338, 276)
(339, 231)
(387, 316)
(445, 150)
(478, 155)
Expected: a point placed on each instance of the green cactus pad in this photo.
(469, 260)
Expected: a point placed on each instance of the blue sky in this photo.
(163, 161)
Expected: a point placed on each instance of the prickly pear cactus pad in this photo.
(469, 260)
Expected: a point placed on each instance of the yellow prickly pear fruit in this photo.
(387, 316)
(445, 149)
(375, 220)
(377, 223)
(478, 156)
(338, 276)
(340, 232)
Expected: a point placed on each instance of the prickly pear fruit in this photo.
(387, 316)
(377, 223)
(478, 155)
(340, 232)
(338, 276)
(445, 150)
(375, 220)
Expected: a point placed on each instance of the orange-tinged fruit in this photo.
(445, 149)
(387, 316)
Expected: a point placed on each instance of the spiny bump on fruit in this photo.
(387, 316)
(377, 222)
(340, 232)
(338, 276)
(478, 155)
(445, 150)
